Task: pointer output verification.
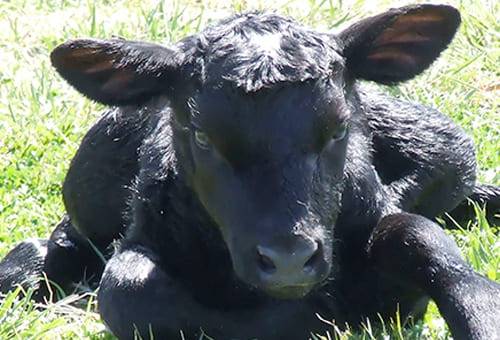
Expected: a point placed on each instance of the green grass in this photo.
(42, 121)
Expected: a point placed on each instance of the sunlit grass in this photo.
(42, 121)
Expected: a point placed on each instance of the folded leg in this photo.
(412, 249)
(136, 296)
(65, 258)
(23, 265)
(485, 195)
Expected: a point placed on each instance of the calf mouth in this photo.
(291, 292)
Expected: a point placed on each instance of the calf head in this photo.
(262, 113)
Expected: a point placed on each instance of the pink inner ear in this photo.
(87, 60)
(391, 36)
(118, 82)
(81, 53)
(100, 66)
(393, 55)
(410, 28)
(419, 17)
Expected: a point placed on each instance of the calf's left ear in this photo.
(399, 44)
(117, 71)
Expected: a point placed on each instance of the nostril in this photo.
(265, 263)
(313, 262)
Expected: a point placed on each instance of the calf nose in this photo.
(304, 264)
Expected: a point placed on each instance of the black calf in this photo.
(257, 183)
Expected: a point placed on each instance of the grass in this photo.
(42, 121)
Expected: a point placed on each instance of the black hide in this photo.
(252, 182)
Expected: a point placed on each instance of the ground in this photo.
(42, 121)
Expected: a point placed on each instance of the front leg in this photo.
(414, 250)
(137, 297)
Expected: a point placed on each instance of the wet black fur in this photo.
(133, 179)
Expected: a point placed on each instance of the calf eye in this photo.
(201, 139)
(340, 132)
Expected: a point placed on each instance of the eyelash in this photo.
(201, 139)
(340, 132)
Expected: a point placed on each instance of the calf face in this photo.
(262, 108)
(268, 168)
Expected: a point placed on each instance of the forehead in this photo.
(282, 117)
(226, 103)
(254, 51)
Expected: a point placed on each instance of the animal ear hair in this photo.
(116, 71)
(399, 44)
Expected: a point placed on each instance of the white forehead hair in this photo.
(267, 44)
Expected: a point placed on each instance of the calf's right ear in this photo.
(117, 71)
